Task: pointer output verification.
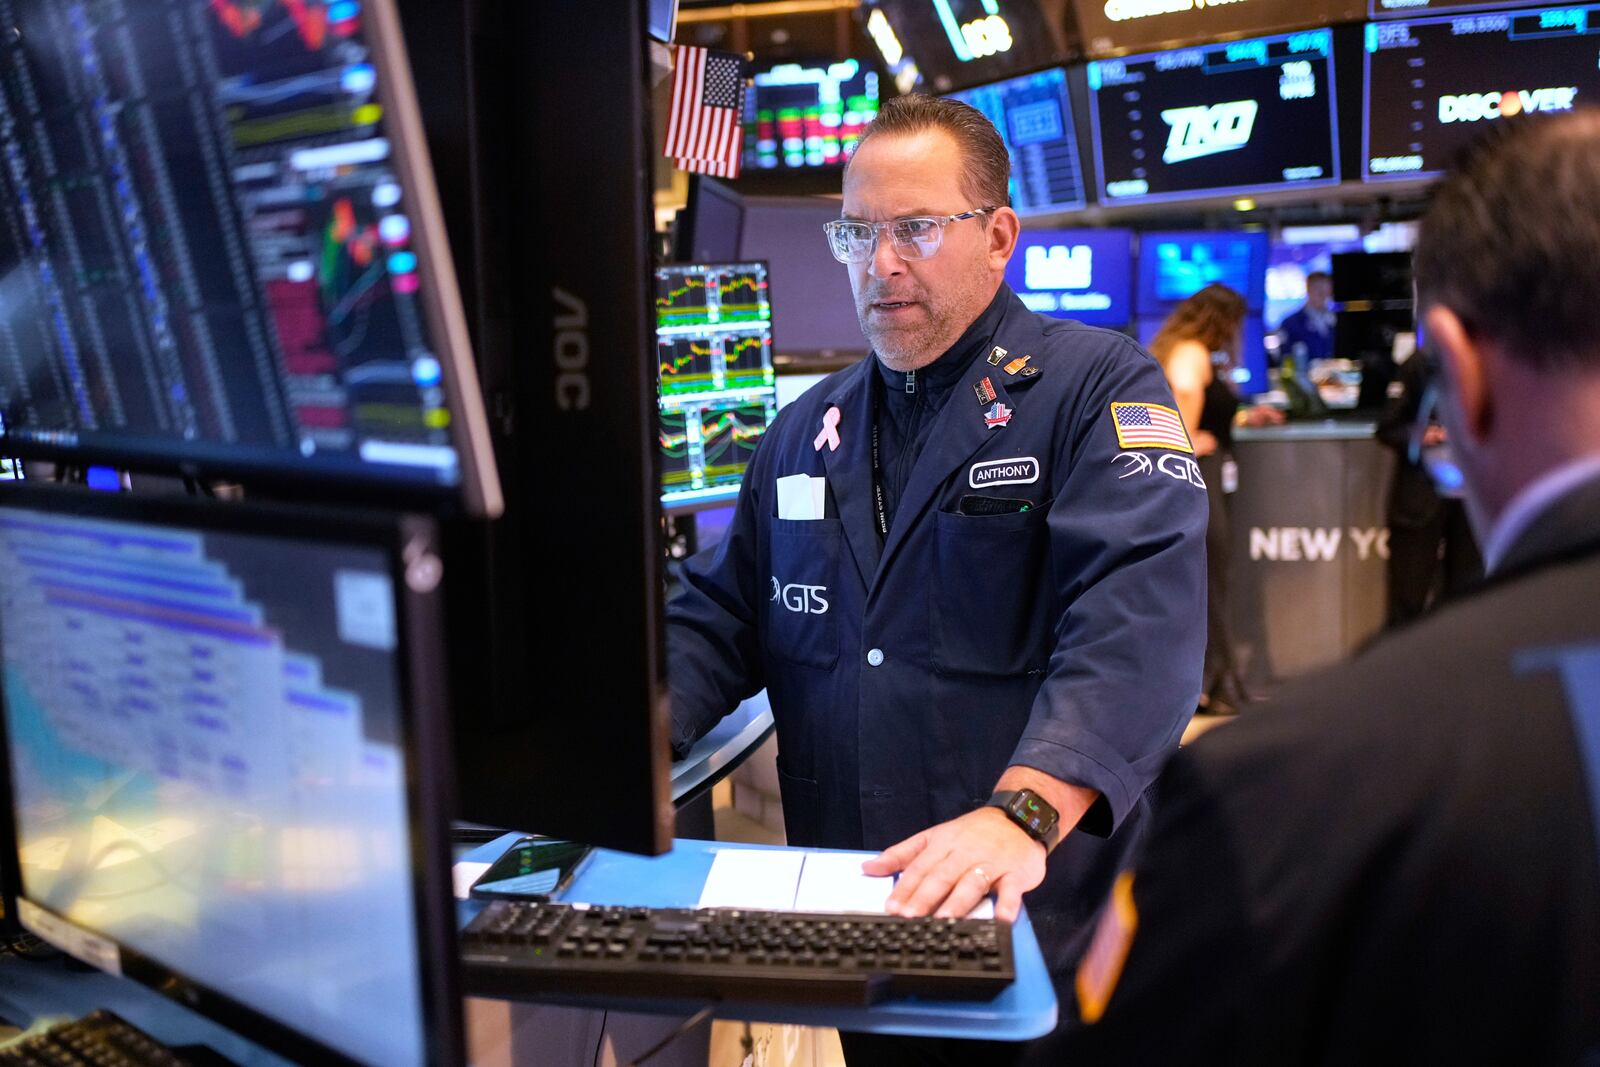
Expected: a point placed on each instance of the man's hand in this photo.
(953, 866)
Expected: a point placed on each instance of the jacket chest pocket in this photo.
(802, 622)
(991, 600)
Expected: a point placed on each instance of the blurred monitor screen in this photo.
(717, 386)
(243, 269)
(1111, 27)
(935, 46)
(1400, 9)
(713, 220)
(1174, 266)
(213, 738)
(1034, 116)
(818, 312)
(1085, 275)
(1219, 120)
(797, 117)
(1432, 84)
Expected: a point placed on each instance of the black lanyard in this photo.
(877, 477)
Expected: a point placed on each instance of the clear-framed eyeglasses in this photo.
(916, 237)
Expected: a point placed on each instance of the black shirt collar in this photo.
(946, 371)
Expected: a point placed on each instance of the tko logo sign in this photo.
(1476, 107)
(1205, 131)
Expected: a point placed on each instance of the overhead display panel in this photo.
(1075, 274)
(939, 45)
(1242, 117)
(1399, 9)
(797, 116)
(1034, 116)
(1432, 84)
(1116, 27)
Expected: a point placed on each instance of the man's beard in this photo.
(916, 343)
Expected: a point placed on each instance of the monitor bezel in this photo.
(405, 540)
(1069, 96)
(686, 506)
(1092, 96)
(349, 477)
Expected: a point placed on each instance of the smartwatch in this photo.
(1032, 812)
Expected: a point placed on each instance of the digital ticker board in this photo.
(1241, 117)
(1432, 84)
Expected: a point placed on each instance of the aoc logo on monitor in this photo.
(1205, 131)
(1476, 107)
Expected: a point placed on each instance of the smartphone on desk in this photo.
(535, 868)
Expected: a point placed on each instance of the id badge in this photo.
(1230, 476)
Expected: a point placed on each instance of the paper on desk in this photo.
(782, 880)
(464, 874)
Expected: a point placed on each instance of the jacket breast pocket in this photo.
(802, 624)
(991, 602)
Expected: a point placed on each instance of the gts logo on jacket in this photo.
(800, 599)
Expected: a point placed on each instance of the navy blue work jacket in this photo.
(907, 673)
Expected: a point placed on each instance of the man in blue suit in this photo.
(987, 641)
(1308, 333)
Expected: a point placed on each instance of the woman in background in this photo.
(1198, 347)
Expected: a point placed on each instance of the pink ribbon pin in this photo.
(830, 432)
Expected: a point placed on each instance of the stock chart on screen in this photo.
(219, 247)
(718, 391)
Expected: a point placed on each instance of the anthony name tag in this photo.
(1019, 470)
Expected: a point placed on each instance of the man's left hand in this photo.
(953, 866)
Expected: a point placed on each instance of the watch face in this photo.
(1039, 817)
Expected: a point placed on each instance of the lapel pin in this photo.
(830, 432)
(1017, 364)
(998, 415)
(1029, 372)
(985, 391)
(997, 356)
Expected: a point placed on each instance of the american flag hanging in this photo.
(704, 131)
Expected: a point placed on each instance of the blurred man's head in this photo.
(1319, 290)
(924, 156)
(1508, 289)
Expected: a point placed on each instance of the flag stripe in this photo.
(705, 135)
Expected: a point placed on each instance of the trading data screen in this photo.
(208, 765)
(1173, 266)
(206, 248)
(1075, 274)
(1432, 84)
(1034, 116)
(797, 117)
(1394, 9)
(718, 392)
(1242, 117)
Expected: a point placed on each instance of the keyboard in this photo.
(553, 951)
(99, 1039)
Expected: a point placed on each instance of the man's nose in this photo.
(885, 262)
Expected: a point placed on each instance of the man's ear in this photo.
(1466, 374)
(1003, 233)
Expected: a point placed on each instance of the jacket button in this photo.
(875, 657)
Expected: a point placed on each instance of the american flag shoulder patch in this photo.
(1101, 967)
(1141, 425)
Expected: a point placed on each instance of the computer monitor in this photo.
(817, 316)
(1433, 83)
(1400, 9)
(1216, 120)
(949, 44)
(1034, 116)
(1113, 27)
(1085, 275)
(223, 255)
(710, 224)
(717, 388)
(229, 762)
(798, 117)
(1174, 265)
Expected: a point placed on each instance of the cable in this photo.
(688, 1024)
(600, 1044)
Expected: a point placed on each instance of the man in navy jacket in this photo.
(1004, 588)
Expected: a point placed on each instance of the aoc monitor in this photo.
(229, 766)
(222, 252)
(1034, 116)
(717, 389)
(1432, 84)
(1173, 266)
(798, 117)
(1085, 275)
(1216, 120)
